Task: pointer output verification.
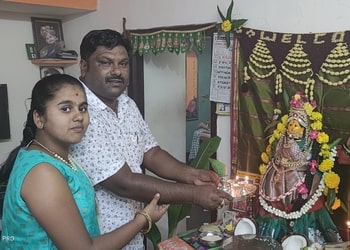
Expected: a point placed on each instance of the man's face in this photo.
(106, 73)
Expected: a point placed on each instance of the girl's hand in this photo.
(154, 210)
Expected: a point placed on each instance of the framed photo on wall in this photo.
(47, 71)
(48, 36)
(223, 108)
(32, 53)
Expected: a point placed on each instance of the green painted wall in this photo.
(204, 74)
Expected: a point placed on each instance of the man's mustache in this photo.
(108, 79)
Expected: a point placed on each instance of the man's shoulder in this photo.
(126, 100)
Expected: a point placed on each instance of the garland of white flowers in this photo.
(296, 214)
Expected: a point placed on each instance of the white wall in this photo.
(164, 114)
(17, 72)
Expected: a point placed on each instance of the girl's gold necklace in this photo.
(57, 156)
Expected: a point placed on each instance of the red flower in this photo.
(313, 166)
(302, 189)
(313, 134)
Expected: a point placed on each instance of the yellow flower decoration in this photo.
(281, 127)
(226, 26)
(325, 151)
(284, 119)
(336, 204)
(325, 191)
(262, 168)
(316, 116)
(331, 180)
(268, 149)
(297, 97)
(264, 157)
(308, 108)
(325, 146)
(322, 138)
(277, 134)
(317, 125)
(326, 165)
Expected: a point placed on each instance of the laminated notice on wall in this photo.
(220, 84)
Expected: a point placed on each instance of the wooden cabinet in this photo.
(56, 8)
(74, 4)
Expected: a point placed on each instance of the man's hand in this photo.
(206, 177)
(210, 197)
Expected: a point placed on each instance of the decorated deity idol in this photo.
(298, 187)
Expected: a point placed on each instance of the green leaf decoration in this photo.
(206, 149)
(286, 100)
(221, 15)
(271, 125)
(228, 39)
(176, 213)
(330, 198)
(229, 11)
(154, 236)
(218, 167)
(236, 23)
(335, 142)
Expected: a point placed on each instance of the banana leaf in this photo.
(177, 212)
(330, 199)
(218, 167)
(206, 150)
(154, 236)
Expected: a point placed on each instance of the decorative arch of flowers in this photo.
(323, 162)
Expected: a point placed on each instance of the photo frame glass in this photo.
(48, 70)
(48, 36)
